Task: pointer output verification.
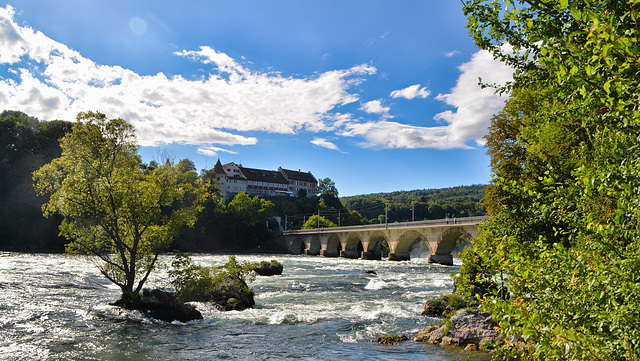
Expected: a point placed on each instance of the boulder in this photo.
(161, 305)
(231, 294)
(445, 305)
(272, 268)
(464, 328)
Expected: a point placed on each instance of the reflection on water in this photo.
(56, 307)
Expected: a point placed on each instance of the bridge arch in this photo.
(375, 240)
(334, 247)
(298, 246)
(353, 247)
(448, 238)
(315, 246)
(405, 241)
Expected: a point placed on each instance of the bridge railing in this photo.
(431, 222)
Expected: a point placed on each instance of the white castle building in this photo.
(234, 178)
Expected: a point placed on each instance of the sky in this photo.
(379, 96)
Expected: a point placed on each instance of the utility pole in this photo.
(413, 212)
(386, 218)
(318, 219)
(338, 218)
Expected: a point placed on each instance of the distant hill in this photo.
(462, 201)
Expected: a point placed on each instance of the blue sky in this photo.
(376, 95)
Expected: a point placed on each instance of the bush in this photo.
(225, 286)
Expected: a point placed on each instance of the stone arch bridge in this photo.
(366, 241)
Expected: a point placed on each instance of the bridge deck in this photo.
(398, 225)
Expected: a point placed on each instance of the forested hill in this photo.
(462, 201)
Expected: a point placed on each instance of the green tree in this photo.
(111, 209)
(327, 186)
(314, 222)
(564, 233)
(246, 220)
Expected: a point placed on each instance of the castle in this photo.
(234, 178)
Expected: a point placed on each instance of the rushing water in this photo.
(55, 307)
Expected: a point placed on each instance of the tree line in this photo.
(404, 206)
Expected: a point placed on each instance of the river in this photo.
(55, 307)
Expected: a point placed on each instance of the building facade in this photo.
(234, 178)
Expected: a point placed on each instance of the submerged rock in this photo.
(391, 340)
(161, 305)
(465, 327)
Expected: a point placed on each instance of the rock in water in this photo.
(160, 305)
(232, 294)
(464, 328)
(391, 340)
(272, 268)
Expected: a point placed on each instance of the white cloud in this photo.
(386, 134)
(374, 107)
(174, 109)
(48, 80)
(212, 151)
(322, 142)
(449, 54)
(411, 92)
(474, 106)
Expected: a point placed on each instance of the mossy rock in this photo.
(272, 268)
(229, 293)
(445, 305)
(158, 304)
(391, 340)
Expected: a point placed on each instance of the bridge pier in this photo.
(349, 254)
(328, 253)
(375, 256)
(399, 256)
(312, 253)
(443, 259)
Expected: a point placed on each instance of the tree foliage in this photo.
(318, 222)
(327, 186)
(565, 217)
(111, 209)
(25, 145)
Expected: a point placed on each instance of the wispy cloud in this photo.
(414, 91)
(373, 40)
(322, 142)
(374, 107)
(214, 151)
(449, 54)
